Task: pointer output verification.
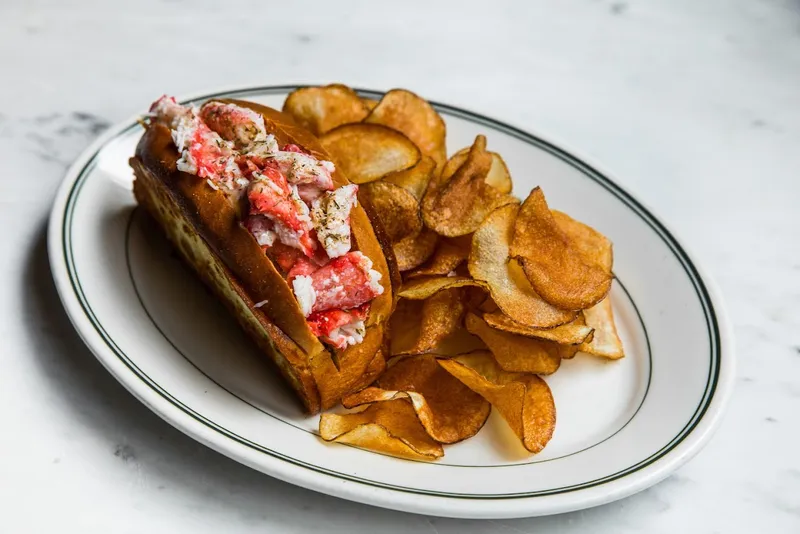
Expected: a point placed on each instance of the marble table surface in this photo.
(694, 105)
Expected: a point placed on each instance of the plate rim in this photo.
(619, 486)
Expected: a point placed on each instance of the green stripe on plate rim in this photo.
(589, 172)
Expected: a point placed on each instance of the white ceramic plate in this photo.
(622, 426)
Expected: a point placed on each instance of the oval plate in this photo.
(622, 426)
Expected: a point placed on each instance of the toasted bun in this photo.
(204, 224)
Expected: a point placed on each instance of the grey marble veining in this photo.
(694, 105)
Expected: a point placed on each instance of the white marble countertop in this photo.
(694, 105)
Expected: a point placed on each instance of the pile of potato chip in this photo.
(495, 291)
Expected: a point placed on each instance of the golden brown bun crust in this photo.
(216, 219)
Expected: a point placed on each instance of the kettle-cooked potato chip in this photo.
(396, 207)
(413, 251)
(571, 333)
(414, 180)
(489, 306)
(366, 152)
(567, 352)
(442, 315)
(489, 262)
(568, 267)
(514, 352)
(492, 292)
(321, 109)
(423, 288)
(606, 341)
(448, 410)
(458, 205)
(405, 327)
(415, 117)
(524, 400)
(450, 253)
(369, 103)
(586, 239)
(498, 176)
(391, 427)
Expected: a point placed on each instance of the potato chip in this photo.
(571, 333)
(369, 103)
(457, 206)
(365, 152)
(454, 162)
(396, 207)
(476, 297)
(489, 306)
(514, 352)
(459, 342)
(321, 109)
(405, 327)
(448, 410)
(450, 253)
(408, 113)
(567, 352)
(414, 180)
(568, 269)
(415, 250)
(423, 288)
(498, 176)
(489, 262)
(464, 242)
(524, 400)
(442, 315)
(606, 341)
(386, 246)
(586, 239)
(391, 427)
